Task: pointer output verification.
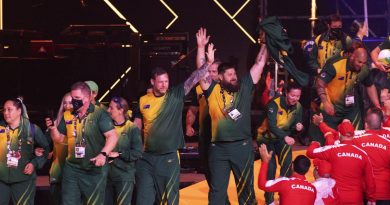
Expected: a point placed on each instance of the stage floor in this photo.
(197, 193)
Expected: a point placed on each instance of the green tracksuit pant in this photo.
(20, 192)
(86, 185)
(234, 156)
(157, 177)
(119, 192)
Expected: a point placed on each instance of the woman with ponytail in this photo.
(121, 175)
(18, 138)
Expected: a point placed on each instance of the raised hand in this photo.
(201, 38)
(265, 155)
(210, 53)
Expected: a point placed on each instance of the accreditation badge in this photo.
(13, 159)
(79, 151)
(234, 114)
(349, 100)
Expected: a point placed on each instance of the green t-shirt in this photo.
(29, 143)
(342, 80)
(223, 127)
(97, 123)
(162, 118)
(130, 148)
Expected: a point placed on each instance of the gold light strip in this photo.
(172, 12)
(1, 14)
(223, 9)
(239, 10)
(114, 84)
(120, 15)
(234, 20)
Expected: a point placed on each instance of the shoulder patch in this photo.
(323, 75)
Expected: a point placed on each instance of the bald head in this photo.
(358, 59)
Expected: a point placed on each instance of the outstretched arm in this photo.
(195, 77)
(257, 68)
(201, 40)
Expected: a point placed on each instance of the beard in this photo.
(230, 87)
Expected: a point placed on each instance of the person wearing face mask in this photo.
(90, 135)
(18, 164)
(338, 88)
(283, 121)
(121, 174)
(328, 44)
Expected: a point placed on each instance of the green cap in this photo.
(92, 85)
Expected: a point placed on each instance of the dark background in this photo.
(44, 82)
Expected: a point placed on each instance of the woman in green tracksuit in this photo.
(121, 175)
(18, 138)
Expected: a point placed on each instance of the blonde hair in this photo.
(61, 111)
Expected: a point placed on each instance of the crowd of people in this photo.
(99, 154)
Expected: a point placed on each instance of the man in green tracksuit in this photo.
(90, 137)
(229, 104)
(18, 164)
(338, 87)
(157, 172)
(284, 119)
(121, 174)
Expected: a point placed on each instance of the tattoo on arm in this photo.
(194, 78)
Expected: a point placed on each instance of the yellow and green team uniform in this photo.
(199, 100)
(342, 81)
(231, 143)
(121, 174)
(157, 172)
(281, 121)
(59, 156)
(319, 50)
(13, 182)
(82, 179)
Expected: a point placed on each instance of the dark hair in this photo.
(320, 27)
(121, 103)
(292, 86)
(375, 124)
(225, 66)
(301, 164)
(81, 86)
(356, 25)
(158, 71)
(333, 18)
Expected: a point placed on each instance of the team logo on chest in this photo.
(2, 130)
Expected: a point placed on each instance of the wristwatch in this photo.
(104, 154)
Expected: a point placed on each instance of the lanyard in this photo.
(84, 119)
(224, 98)
(7, 130)
(346, 80)
(326, 50)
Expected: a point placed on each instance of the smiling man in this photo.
(338, 86)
